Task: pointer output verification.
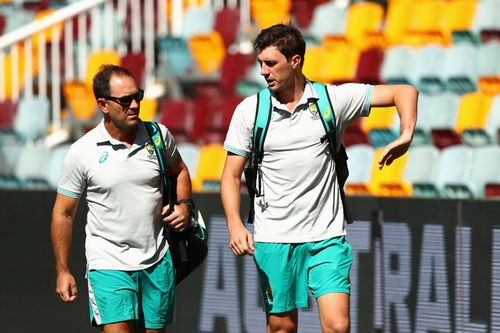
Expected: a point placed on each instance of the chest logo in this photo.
(150, 148)
(103, 157)
(313, 109)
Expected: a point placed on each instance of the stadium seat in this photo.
(198, 21)
(208, 51)
(234, 68)
(354, 134)
(32, 166)
(362, 19)
(177, 115)
(486, 16)
(424, 29)
(227, 24)
(455, 167)
(32, 118)
(175, 56)
(459, 69)
(302, 11)
(485, 169)
(379, 126)
(369, 66)
(209, 171)
(458, 17)
(328, 19)
(442, 109)
(422, 170)
(252, 83)
(98, 58)
(360, 164)
(397, 65)
(493, 122)
(396, 23)
(268, 12)
(428, 64)
(190, 153)
(390, 180)
(135, 62)
(8, 110)
(149, 108)
(487, 60)
(472, 114)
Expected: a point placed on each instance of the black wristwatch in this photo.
(188, 202)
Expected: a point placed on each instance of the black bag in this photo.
(188, 248)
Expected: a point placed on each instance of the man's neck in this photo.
(126, 135)
(292, 94)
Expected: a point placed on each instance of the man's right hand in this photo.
(241, 241)
(66, 287)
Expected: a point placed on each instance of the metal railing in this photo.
(23, 52)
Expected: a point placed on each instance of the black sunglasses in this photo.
(125, 101)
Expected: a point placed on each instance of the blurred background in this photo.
(437, 206)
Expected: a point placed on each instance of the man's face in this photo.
(123, 115)
(276, 68)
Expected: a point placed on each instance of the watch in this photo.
(188, 202)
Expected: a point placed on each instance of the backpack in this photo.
(188, 248)
(253, 173)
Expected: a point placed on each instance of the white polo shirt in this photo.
(123, 192)
(301, 201)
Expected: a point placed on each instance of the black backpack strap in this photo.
(327, 114)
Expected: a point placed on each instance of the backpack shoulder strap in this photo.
(325, 109)
(262, 119)
(156, 137)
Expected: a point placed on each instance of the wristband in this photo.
(188, 202)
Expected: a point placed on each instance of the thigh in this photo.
(334, 312)
(283, 276)
(112, 296)
(329, 267)
(157, 293)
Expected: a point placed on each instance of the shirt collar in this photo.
(105, 138)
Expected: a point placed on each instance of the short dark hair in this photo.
(285, 37)
(100, 84)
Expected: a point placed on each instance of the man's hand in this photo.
(241, 241)
(178, 219)
(66, 287)
(394, 150)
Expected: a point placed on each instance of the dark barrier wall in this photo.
(420, 266)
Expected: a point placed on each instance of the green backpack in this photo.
(262, 119)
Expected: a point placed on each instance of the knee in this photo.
(284, 325)
(338, 326)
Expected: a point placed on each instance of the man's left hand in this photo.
(178, 219)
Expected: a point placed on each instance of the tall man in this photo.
(130, 274)
(299, 239)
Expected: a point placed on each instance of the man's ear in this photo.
(296, 61)
(101, 103)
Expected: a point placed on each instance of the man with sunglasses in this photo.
(130, 274)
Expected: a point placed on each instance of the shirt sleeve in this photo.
(170, 146)
(239, 136)
(72, 182)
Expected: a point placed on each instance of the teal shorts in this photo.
(289, 270)
(145, 296)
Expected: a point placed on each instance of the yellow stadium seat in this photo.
(363, 18)
(149, 108)
(208, 51)
(80, 99)
(397, 20)
(426, 28)
(380, 118)
(458, 15)
(333, 61)
(489, 84)
(389, 182)
(473, 111)
(209, 170)
(268, 12)
(96, 59)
